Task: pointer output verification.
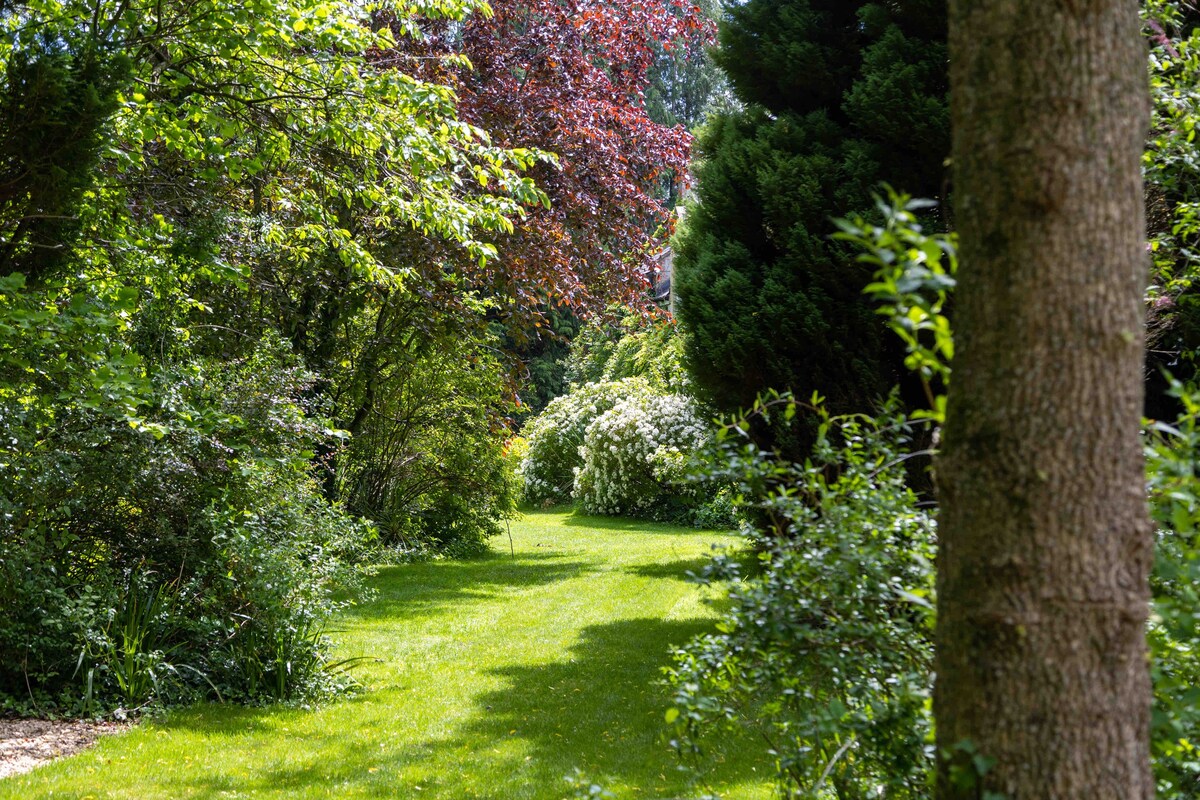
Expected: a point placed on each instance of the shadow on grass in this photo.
(420, 589)
(552, 508)
(628, 525)
(600, 711)
(212, 718)
(682, 570)
(341, 771)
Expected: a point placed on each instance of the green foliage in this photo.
(757, 307)
(826, 650)
(584, 789)
(1172, 451)
(59, 93)
(685, 82)
(492, 678)
(766, 298)
(717, 512)
(914, 275)
(284, 566)
(131, 646)
(158, 560)
(184, 182)
(252, 99)
(620, 441)
(426, 460)
(634, 348)
(1171, 153)
(1172, 170)
(543, 376)
(914, 285)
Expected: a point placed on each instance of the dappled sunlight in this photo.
(683, 569)
(490, 678)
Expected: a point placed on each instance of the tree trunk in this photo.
(1043, 686)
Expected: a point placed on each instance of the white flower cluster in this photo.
(635, 454)
(556, 436)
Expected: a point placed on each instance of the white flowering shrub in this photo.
(635, 457)
(555, 436)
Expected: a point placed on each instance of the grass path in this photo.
(496, 679)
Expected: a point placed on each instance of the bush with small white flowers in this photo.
(555, 437)
(635, 457)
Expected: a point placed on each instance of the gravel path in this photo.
(26, 743)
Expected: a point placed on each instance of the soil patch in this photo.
(26, 743)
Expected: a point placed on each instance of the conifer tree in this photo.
(836, 98)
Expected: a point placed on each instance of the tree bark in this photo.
(1045, 544)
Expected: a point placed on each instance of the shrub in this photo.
(515, 451)
(718, 512)
(636, 348)
(279, 568)
(426, 462)
(556, 435)
(1172, 166)
(638, 463)
(191, 555)
(767, 300)
(826, 651)
(1172, 455)
(636, 457)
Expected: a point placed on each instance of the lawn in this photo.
(495, 678)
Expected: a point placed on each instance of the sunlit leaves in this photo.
(1172, 157)
(914, 275)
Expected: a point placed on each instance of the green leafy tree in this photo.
(685, 82)
(636, 347)
(58, 96)
(422, 404)
(195, 179)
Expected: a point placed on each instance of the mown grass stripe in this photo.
(496, 678)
